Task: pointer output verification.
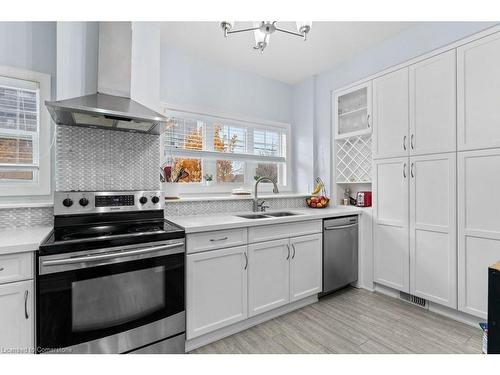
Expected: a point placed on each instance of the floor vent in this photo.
(414, 300)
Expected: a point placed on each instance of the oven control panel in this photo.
(85, 202)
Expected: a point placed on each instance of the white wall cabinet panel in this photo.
(391, 223)
(478, 66)
(391, 115)
(305, 266)
(433, 105)
(433, 250)
(478, 228)
(268, 276)
(216, 289)
(16, 317)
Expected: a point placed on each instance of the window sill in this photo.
(229, 197)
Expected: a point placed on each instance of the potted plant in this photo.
(208, 179)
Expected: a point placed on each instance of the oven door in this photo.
(110, 300)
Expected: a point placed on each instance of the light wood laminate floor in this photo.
(354, 321)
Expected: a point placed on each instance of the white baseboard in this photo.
(210, 337)
(459, 316)
(448, 312)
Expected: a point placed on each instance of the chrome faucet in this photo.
(259, 206)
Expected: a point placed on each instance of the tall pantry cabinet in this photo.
(414, 176)
(478, 98)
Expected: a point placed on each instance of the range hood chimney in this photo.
(111, 107)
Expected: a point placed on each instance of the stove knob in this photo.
(83, 202)
(67, 202)
(143, 200)
(155, 199)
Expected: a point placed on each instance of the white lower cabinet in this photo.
(433, 245)
(16, 317)
(268, 276)
(391, 224)
(414, 226)
(226, 286)
(216, 289)
(305, 266)
(478, 227)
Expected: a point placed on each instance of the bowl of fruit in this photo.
(318, 198)
(317, 201)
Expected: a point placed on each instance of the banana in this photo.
(317, 189)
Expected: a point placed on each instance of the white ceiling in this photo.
(287, 58)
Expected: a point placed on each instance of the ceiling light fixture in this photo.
(263, 29)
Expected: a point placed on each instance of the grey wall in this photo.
(406, 45)
(303, 135)
(29, 45)
(196, 83)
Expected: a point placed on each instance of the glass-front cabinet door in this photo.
(352, 110)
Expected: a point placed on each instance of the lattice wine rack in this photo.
(354, 159)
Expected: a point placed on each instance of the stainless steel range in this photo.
(110, 277)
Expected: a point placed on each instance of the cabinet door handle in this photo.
(368, 121)
(404, 143)
(26, 313)
(293, 247)
(411, 170)
(218, 239)
(288, 256)
(404, 170)
(246, 260)
(411, 142)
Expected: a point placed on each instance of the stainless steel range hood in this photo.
(107, 112)
(112, 107)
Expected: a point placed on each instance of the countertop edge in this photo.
(247, 223)
(10, 244)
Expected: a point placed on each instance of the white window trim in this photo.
(42, 187)
(200, 188)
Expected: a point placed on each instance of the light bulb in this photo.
(303, 27)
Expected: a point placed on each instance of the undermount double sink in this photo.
(267, 215)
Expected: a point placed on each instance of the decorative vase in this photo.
(171, 190)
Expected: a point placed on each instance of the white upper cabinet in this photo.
(478, 227)
(433, 247)
(478, 66)
(268, 276)
(433, 105)
(391, 223)
(216, 289)
(305, 266)
(352, 111)
(391, 115)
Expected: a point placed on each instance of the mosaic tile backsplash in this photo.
(221, 206)
(26, 217)
(96, 159)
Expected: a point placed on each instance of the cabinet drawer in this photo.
(277, 231)
(15, 267)
(216, 240)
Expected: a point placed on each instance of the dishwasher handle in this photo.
(341, 226)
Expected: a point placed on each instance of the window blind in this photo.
(217, 138)
(19, 129)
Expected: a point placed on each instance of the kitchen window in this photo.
(220, 154)
(24, 133)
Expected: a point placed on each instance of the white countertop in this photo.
(17, 240)
(219, 221)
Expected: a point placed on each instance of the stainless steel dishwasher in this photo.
(340, 252)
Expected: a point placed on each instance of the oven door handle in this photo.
(110, 255)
